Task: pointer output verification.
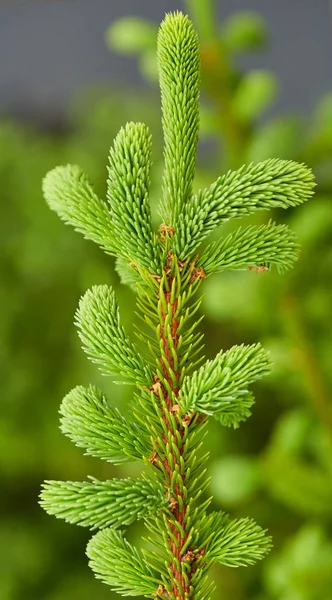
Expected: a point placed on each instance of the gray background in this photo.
(48, 50)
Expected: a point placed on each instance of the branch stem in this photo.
(182, 565)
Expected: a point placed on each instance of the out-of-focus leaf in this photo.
(254, 94)
(280, 137)
(313, 226)
(290, 433)
(304, 488)
(303, 568)
(323, 115)
(202, 14)
(132, 35)
(148, 65)
(208, 122)
(234, 479)
(245, 30)
(231, 293)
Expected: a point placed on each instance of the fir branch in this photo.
(104, 339)
(237, 542)
(127, 193)
(120, 565)
(252, 247)
(219, 387)
(98, 504)
(91, 423)
(269, 184)
(178, 61)
(69, 193)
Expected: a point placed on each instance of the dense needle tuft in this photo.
(120, 565)
(178, 60)
(127, 193)
(104, 339)
(252, 247)
(69, 193)
(219, 387)
(238, 542)
(269, 184)
(89, 421)
(100, 504)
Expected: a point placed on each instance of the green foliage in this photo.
(272, 183)
(99, 504)
(127, 193)
(104, 339)
(252, 247)
(69, 193)
(239, 542)
(45, 266)
(120, 565)
(91, 423)
(178, 59)
(126, 214)
(219, 388)
(174, 397)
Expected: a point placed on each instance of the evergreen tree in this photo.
(176, 391)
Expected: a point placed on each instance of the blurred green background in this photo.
(277, 467)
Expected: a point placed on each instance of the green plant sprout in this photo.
(232, 100)
(176, 391)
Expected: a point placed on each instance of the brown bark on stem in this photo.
(181, 586)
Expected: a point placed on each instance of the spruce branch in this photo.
(219, 387)
(69, 193)
(178, 61)
(100, 504)
(237, 542)
(127, 193)
(252, 247)
(262, 186)
(120, 565)
(104, 339)
(88, 420)
(175, 393)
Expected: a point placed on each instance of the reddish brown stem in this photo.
(180, 589)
